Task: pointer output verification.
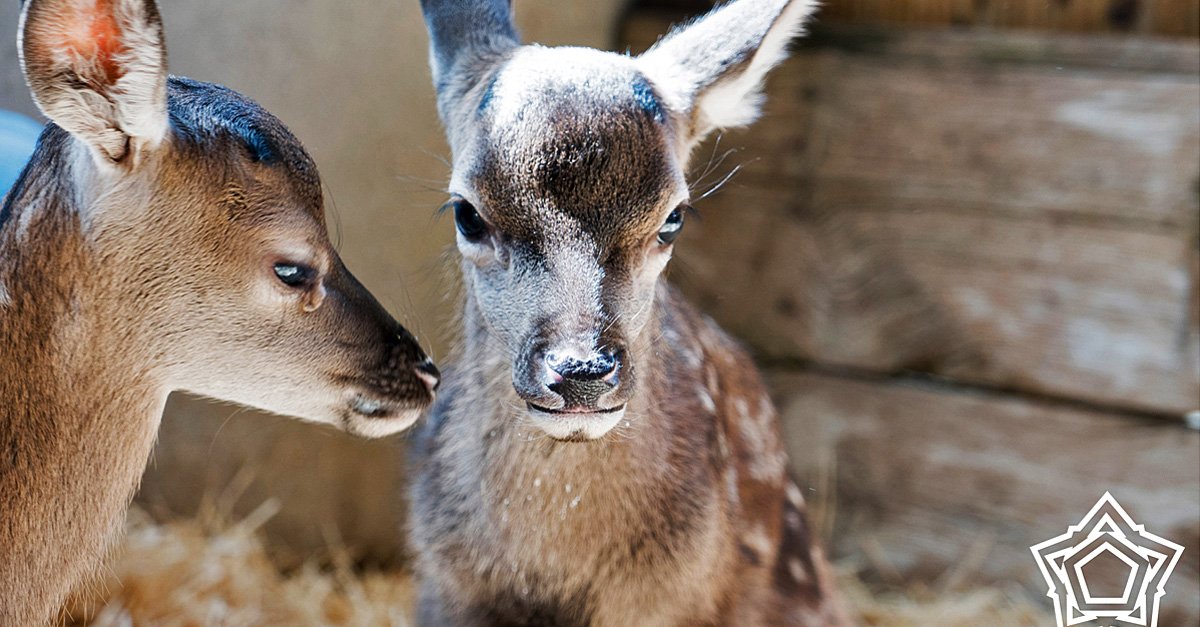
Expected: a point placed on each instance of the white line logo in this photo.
(1107, 528)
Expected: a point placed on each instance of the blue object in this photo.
(18, 137)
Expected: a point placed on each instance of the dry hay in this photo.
(202, 573)
(205, 573)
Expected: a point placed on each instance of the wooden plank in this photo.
(931, 482)
(1180, 18)
(1086, 311)
(1015, 225)
(1009, 138)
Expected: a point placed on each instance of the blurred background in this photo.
(963, 243)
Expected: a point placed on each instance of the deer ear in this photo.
(712, 70)
(465, 37)
(98, 69)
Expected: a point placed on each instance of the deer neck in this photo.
(78, 414)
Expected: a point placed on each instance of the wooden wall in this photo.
(968, 262)
(1159, 17)
(1176, 18)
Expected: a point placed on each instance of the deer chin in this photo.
(373, 418)
(575, 425)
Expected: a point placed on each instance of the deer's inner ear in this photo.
(713, 69)
(99, 71)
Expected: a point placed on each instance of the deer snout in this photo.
(428, 374)
(393, 392)
(406, 374)
(581, 382)
(576, 395)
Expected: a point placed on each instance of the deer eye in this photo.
(670, 228)
(469, 223)
(294, 275)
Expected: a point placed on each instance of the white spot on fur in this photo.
(797, 571)
(537, 483)
(743, 409)
(769, 462)
(794, 496)
(706, 399)
(758, 540)
(690, 358)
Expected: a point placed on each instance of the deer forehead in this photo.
(573, 135)
(208, 120)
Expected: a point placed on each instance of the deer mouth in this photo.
(576, 424)
(576, 410)
(372, 417)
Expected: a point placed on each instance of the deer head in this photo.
(207, 266)
(569, 185)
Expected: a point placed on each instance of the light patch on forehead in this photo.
(558, 73)
(579, 280)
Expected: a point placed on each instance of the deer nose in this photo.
(428, 374)
(599, 365)
(581, 382)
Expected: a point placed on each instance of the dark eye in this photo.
(470, 224)
(670, 228)
(294, 275)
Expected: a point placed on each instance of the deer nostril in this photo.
(428, 373)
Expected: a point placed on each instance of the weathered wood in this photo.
(1014, 225)
(920, 478)
(1070, 309)
(1160, 17)
(1167, 17)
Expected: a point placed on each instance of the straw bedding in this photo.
(207, 572)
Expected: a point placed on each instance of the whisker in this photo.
(722, 183)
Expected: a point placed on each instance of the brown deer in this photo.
(167, 234)
(605, 455)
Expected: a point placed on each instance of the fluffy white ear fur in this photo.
(98, 69)
(712, 70)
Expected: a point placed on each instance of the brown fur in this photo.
(683, 517)
(134, 265)
(682, 513)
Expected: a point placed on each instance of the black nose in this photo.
(598, 366)
(581, 383)
(428, 374)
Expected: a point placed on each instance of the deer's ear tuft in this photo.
(98, 69)
(712, 70)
